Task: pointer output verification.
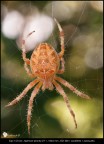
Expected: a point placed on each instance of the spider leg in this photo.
(62, 66)
(61, 38)
(28, 70)
(18, 98)
(26, 60)
(65, 83)
(61, 91)
(35, 91)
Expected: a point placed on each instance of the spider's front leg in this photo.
(61, 38)
(26, 60)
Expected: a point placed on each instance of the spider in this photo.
(44, 64)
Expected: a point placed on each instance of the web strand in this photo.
(83, 9)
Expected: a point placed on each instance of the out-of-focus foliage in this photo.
(82, 25)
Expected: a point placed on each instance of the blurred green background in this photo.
(82, 25)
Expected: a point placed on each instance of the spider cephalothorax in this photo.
(44, 65)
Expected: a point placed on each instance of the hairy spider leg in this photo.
(65, 83)
(34, 93)
(61, 38)
(61, 91)
(18, 98)
(26, 60)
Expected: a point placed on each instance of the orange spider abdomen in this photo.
(44, 61)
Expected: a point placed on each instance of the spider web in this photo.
(46, 122)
